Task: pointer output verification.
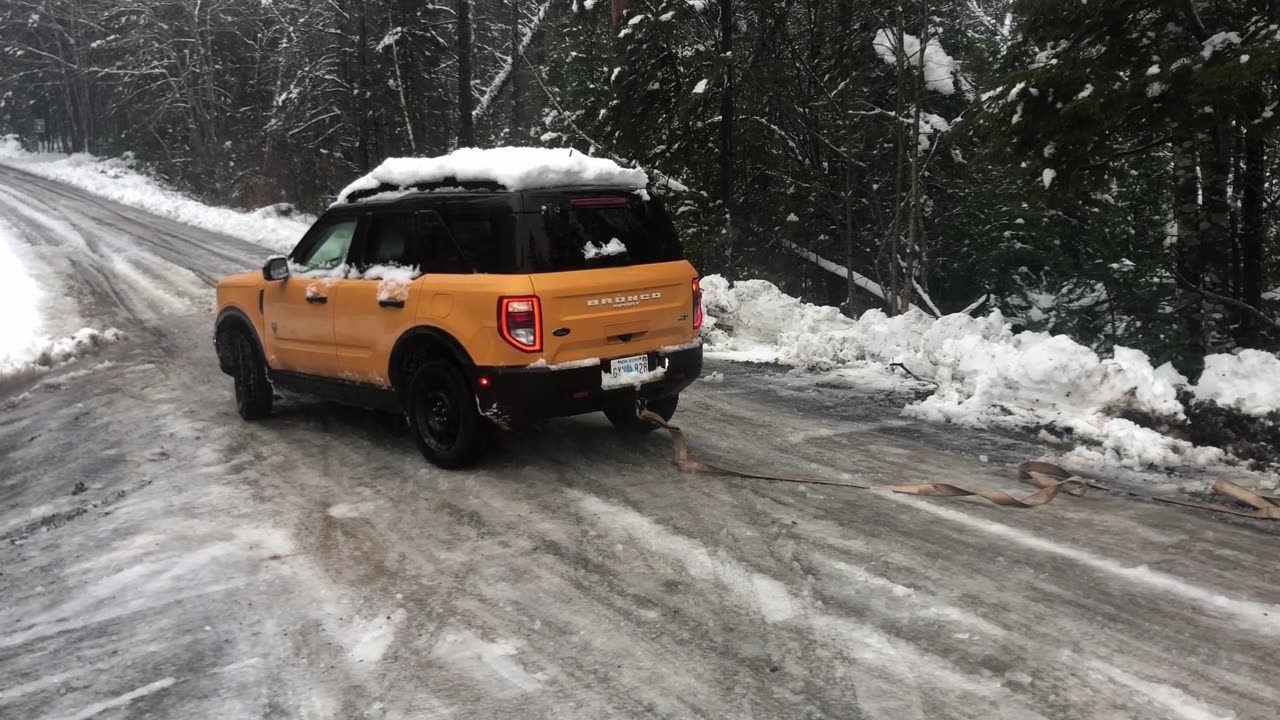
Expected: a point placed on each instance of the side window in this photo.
(329, 249)
(473, 232)
(483, 234)
(442, 253)
(393, 239)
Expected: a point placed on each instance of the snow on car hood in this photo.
(515, 168)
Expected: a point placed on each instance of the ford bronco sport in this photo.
(523, 284)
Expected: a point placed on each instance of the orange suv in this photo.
(469, 303)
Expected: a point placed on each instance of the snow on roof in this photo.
(515, 168)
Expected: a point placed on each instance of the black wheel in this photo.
(625, 414)
(442, 412)
(253, 391)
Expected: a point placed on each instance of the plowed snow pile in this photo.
(25, 346)
(1248, 381)
(989, 376)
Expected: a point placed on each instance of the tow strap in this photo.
(1050, 478)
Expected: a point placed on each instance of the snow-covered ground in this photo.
(984, 374)
(26, 345)
(117, 179)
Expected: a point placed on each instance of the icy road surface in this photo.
(162, 559)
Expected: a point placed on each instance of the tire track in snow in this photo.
(122, 700)
(120, 267)
(892, 673)
(1042, 607)
(198, 248)
(1260, 617)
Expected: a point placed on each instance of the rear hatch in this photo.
(609, 272)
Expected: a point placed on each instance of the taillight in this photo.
(520, 322)
(697, 304)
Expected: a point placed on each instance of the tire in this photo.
(254, 394)
(625, 417)
(442, 413)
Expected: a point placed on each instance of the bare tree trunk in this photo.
(401, 91)
(1186, 211)
(200, 96)
(848, 236)
(915, 218)
(69, 95)
(517, 92)
(1253, 230)
(1215, 227)
(900, 169)
(844, 16)
(1235, 270)
(361, 86)
(204, 65)
(83, 85)
(726, 128)
(76, 93)
(466, 97)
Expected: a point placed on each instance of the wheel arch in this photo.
(230, 318)
(425, 341)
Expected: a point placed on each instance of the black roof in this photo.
(447, 183)
(485, 187)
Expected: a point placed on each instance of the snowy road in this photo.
(313, 566)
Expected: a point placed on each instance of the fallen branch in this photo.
(856, 278)
(914, 376)
(924, 295)
(500, 80)
(537, 76)
(975, 304)
(1275, 322)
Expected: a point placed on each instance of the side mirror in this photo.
(277, 268)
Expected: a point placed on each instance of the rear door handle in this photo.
(389, 303)
(317, 299)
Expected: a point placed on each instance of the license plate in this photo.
(624, 367)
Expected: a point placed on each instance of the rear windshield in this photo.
(597, 231)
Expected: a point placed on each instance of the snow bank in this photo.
(20, 297)
(986, 375)
(24, 346)
(117, 179)
(516, 168)
(277, 211)
(1248, 381)
(41, 353)
(46, 353)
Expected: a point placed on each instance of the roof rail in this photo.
(447, 183)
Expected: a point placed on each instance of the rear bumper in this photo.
(518, 395)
